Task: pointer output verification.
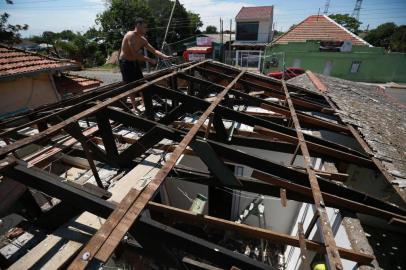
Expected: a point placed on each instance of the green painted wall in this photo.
(376, 65)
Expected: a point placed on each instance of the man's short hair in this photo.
(139, 21)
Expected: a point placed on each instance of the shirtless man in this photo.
(130, 54)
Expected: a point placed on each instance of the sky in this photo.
(80, 15)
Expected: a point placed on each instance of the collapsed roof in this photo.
(216, 98)
(379, 119)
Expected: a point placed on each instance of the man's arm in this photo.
(155, 51)
(138, 56)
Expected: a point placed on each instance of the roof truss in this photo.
(214, 94)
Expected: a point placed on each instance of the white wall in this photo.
(265, 30)
(306, 212)
(277, 217)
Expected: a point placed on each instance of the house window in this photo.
(296, 63)
(355, 66)
(247, 30)
(239, 170)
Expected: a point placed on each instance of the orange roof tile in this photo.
(17, 63)
(69, 83)
(319, 27)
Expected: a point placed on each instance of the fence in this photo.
(255, 59)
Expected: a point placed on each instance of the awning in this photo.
(202, 50)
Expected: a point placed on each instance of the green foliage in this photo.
(67, 35)
(93, 33)
(398, 40)
(68, 44)
(347, 21)
(119, 18)
(277, 34)
(388, 35)
(195, 22)
(120, 15)
(82, 50)
(381, 36)
(93, 47)
(211, 29)
(184, 23)
(10, 34)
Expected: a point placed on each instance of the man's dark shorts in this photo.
(130, 70)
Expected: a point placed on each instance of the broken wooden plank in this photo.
(64, 243)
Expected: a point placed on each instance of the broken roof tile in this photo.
(380, 121)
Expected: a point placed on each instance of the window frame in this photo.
(353, 63)
(247, 36)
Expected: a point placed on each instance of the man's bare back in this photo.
(131, 44)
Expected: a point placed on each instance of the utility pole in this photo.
(166, 31)
(357, 9)
(221, 41)
(273, 31)
(229, 42)
(221, 31)
(169, 23)
(326, 7)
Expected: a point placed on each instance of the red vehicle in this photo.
(289, 73)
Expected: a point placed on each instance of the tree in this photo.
(211, 29)
(388, 35)
(10, 34)
(195, 22)
(82, 50)
(398, 40)
(67, 44)
(93, 33)
(66, 35)
(347, 21)
(381, 36)
(277, 34)
(184, 23)
(119, 18)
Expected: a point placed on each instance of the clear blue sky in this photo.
(79, 15)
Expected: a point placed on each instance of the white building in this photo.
(254, 30)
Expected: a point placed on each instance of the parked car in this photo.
(289, 73)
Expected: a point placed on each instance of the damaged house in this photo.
(230, 170)
(29, 80)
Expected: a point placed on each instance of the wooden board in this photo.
(60, 246)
